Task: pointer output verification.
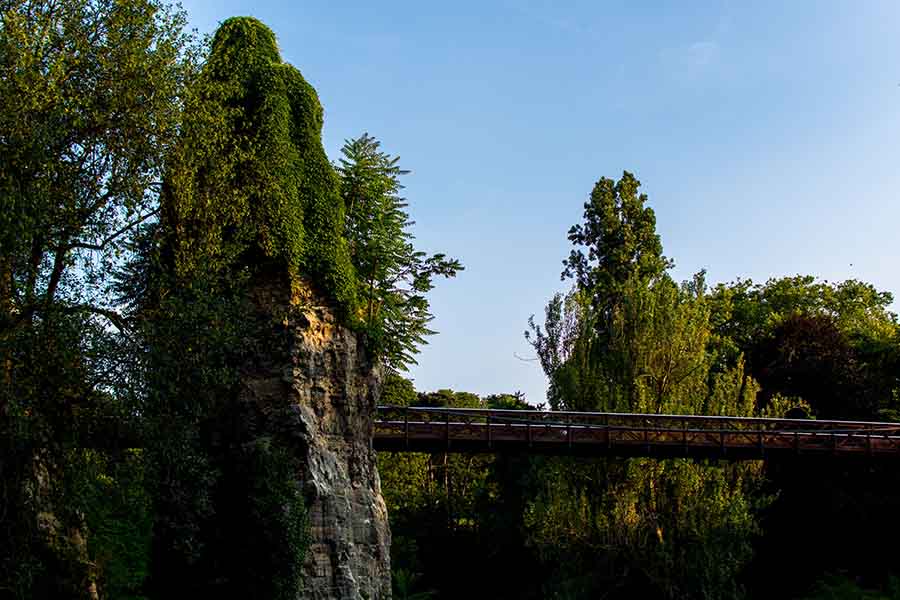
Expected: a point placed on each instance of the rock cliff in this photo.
(331, 389)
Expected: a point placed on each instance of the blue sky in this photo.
(766, 135)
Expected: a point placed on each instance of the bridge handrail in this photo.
(551, 418)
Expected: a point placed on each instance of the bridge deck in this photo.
(417, 429)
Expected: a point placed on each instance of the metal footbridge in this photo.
(421, 429)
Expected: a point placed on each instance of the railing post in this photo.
(569, 429)
(684, 426)
(528, 430)
(608, 432)
(489, 434)
(406, 426)
(447, 423)
(762, 447)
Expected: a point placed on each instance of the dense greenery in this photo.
(628, 338)
(146, 191)
(91, 102)
(249, 180)
(394, 277)
(457, 519)
(150, 184)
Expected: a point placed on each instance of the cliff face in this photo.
(331, 388)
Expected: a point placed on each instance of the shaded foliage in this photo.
(92, 92)
(452, 514)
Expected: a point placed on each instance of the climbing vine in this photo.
(249, 181)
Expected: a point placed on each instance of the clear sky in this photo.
(766, 135)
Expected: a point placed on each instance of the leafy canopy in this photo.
(92, 93)
(616, 241)
(393, 276)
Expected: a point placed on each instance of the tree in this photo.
(393, 276)
(616, 242)
(91, 94)
(743, 310)
(832, 343)
(627, 338)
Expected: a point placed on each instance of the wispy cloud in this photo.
(701, 55)
(553, 16)
(692, 61)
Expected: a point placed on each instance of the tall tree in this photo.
(91, 93)
(394, 277)
(616, 242)
(627, 338)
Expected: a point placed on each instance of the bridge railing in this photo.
(474, 429)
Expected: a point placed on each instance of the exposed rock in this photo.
(332, 389)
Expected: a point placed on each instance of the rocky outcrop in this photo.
(331, 388)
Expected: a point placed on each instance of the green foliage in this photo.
(833, 344)
(270, 527)
(629, 339)
(617, 242)
(743, 312)
(248, 181)
(97, 85)
(452, 513)
(652, 356)
(91, 100)
(404, 584)
(837, 587)
(397, 391)
(673, 529)
(118, 517)
(393, 276)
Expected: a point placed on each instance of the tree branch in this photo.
(59, 263)
(112, 237)
(112, 316)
